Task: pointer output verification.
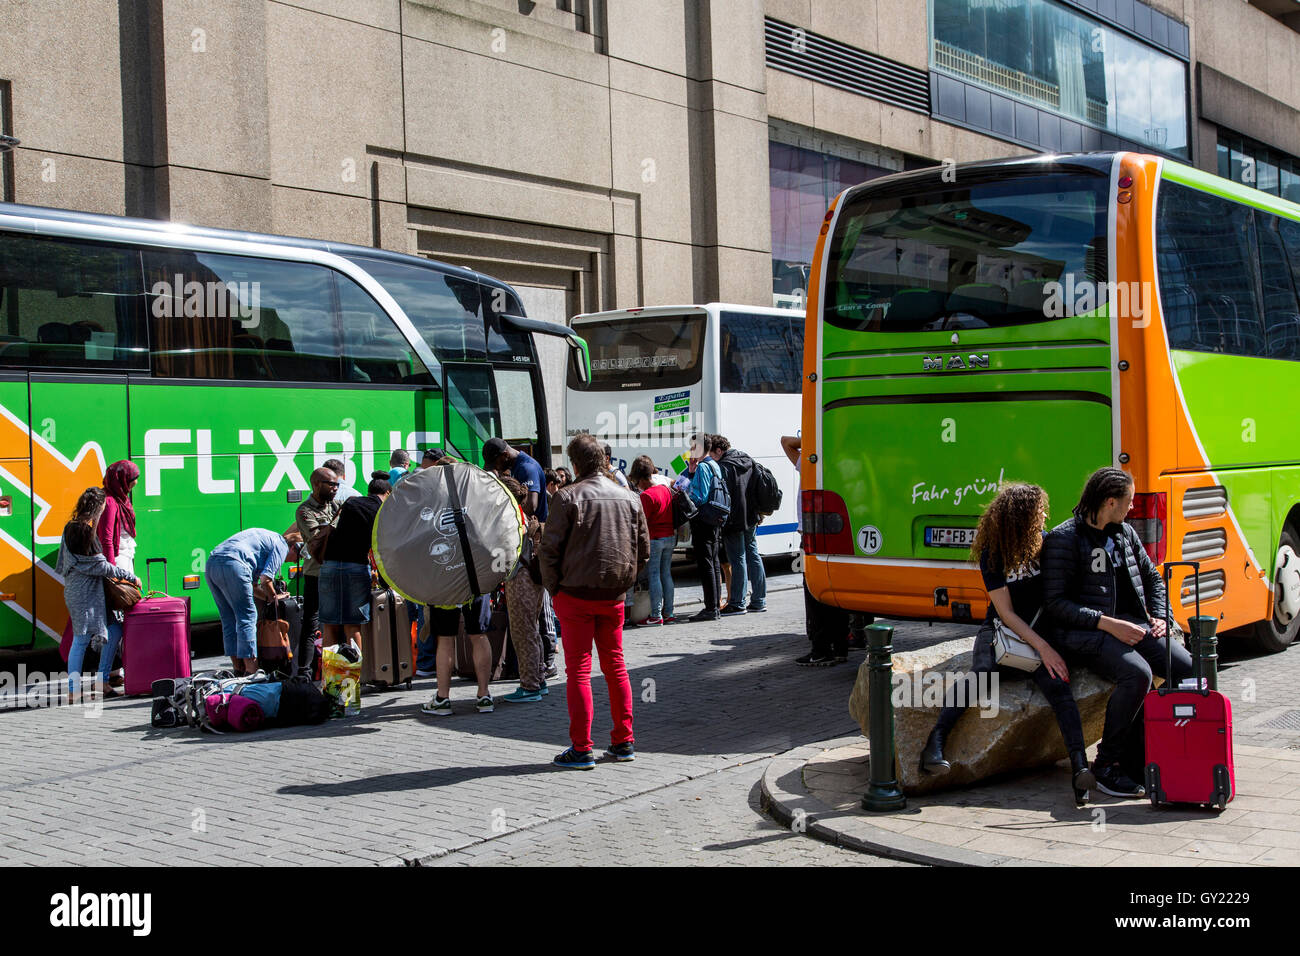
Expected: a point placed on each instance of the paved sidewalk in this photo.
(1030, 818)
(394, 786)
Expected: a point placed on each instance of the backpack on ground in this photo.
(764, 492)
(715, 511)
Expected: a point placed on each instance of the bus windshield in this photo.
(976, 253)
(643, 352)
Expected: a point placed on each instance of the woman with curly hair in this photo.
(1007, 543)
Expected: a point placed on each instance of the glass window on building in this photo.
(1253, 164)
(1045, 54)
(803, 183)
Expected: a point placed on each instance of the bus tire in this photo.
(1276, 633)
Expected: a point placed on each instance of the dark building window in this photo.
(6, 153)
(803, 183)
(1253, 164)
(1054, 58)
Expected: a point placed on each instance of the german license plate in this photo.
(949, 537)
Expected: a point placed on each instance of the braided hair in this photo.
(1102, 484)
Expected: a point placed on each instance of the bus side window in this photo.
(216, 316)
(760, 353)
(1213, 241)
(374, 349)
(1281, 312)
(68, 303)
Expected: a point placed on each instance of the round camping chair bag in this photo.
(447, 534)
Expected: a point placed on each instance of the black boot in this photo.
(1083, 779)
(932, 758)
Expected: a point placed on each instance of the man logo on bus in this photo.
(935, 363)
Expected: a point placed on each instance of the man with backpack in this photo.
(708, 491)
(739, 533)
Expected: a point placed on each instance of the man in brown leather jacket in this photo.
(595, 544)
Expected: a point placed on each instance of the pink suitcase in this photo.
(155, 638)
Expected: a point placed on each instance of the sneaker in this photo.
(543, 690)
(523, 696)
(551, 672)
(651, 622)
(704, 616)
(670, 619)
(731, 609)
(420, 673)
(756, 608)
(575, 760)
(816, 660)
(842, 657)
(1113, 781)
(486, 704)
(623, 753)
(439, 706)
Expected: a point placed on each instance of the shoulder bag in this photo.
(120, 594)
(1010, 651)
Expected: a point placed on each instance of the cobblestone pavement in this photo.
(712, 821)
(393, 785)
(714, 703)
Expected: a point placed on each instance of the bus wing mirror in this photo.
(580, 359)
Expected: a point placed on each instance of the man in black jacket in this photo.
(1108, 603)
(739, 533)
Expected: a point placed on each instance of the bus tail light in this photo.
(1148, 519)
(825, 524)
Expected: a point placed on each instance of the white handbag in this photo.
(1010, 651)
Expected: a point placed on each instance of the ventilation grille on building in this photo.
(1212, 585)
(1204, 545)
(1204, 502)
(795, 50)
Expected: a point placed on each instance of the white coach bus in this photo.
(661, 374)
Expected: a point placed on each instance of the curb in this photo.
(784, 797)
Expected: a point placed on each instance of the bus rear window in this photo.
(661, 351)
(969, 255)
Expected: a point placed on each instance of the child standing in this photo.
(84, 568)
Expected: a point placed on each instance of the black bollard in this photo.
(883, 793)
(1205, 648)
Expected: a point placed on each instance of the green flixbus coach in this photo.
(1035, 319)
(227, 366)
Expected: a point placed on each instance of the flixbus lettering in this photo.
(180, 449)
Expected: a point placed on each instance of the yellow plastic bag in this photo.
(341, 682)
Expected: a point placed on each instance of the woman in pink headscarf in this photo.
(116, 528)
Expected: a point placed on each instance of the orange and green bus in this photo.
(1034, 319)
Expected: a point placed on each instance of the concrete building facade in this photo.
(610, 153)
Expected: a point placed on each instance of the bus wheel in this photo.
(1280, 630)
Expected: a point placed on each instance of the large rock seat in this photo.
(1020, 732)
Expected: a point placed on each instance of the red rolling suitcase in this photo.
(155, 638)
(1188, 735)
